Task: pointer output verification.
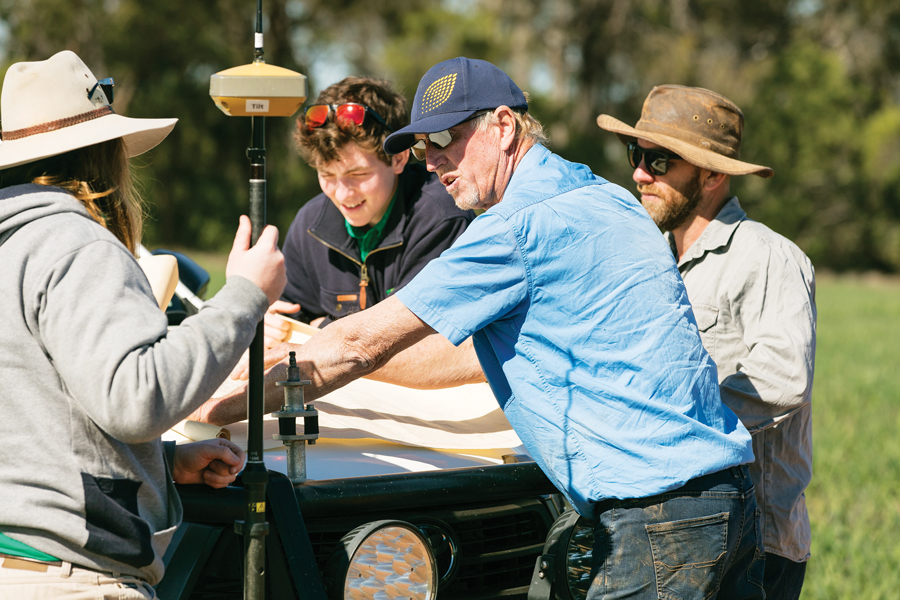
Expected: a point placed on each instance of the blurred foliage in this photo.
(818, 81)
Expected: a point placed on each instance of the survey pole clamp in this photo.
(293, 407)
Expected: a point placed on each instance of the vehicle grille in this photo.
(498, 545)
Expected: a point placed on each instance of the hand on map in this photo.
(271, 357)
(277, 330)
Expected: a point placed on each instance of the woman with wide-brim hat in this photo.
(90, 375)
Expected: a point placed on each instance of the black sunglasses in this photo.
(656, 160)
(106, 85)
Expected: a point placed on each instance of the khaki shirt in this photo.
(753, 294)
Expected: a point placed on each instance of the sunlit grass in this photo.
(854, 500)
(214, 263)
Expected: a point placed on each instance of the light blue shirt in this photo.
(585, 333)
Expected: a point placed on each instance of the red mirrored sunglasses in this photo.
(317, 114)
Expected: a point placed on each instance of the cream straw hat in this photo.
(45, 110)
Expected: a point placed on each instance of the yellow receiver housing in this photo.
(258, 90)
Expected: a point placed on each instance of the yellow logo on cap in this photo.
(438, 92)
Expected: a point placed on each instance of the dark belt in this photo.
(740, 473)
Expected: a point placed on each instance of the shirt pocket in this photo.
(114, 526)
(340, 304)
(707, 318)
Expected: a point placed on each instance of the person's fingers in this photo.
(215, 451)
(274, 322)
(271, 357)
(230, 454)
(242, 368)
(219, 467)
(271, 339)
(276, 331)
(237, 451)
(275, 355)
(282, 307)
(268, 239)
(215, 480)
(222, 470)
(242, 237)
(262, 265)
(241, 372)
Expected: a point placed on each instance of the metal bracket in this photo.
(541, 587)
(292, 408)
(255, 529)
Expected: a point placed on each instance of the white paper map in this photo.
(463, 417)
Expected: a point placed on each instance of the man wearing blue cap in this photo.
(584, 331)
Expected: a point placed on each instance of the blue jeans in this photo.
(699, 541)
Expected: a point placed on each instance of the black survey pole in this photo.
(254, 527)
(252, 91)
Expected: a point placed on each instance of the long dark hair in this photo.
(100, 177)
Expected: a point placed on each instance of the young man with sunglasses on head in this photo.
(753, 293)
(378, 220)
(582, 326)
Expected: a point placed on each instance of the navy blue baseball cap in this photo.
(451, 92)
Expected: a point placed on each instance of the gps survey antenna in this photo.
(257, 91)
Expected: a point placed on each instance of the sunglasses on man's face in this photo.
(350, 112)
(655, 160)
(441, 139)
(106, 85)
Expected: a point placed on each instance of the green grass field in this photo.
(854, 498)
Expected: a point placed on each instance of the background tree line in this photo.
(818, 81)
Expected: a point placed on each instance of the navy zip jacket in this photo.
(325, 274)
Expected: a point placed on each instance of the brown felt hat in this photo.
(701, 126)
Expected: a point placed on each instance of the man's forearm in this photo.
(352, 347)
(431, 364)
(232, 407)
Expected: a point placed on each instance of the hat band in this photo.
(17, 134)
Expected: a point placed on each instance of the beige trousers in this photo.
(22, 579)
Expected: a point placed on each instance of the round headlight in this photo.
(444, 547)
(383, 560)
(571, 543)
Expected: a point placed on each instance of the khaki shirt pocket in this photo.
(707, 316)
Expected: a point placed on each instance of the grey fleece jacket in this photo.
(89, 379)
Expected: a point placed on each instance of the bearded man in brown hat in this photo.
(753, 294)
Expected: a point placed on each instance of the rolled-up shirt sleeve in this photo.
(480, 279)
